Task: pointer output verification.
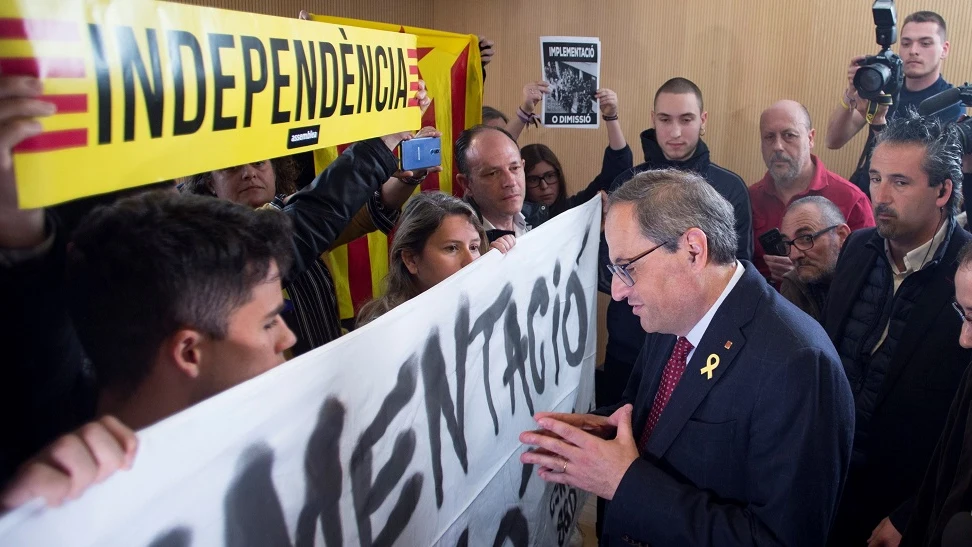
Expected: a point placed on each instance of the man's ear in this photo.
(944, 194)
(842, 232)
(463, 181)
(698, 246)
(185, 349)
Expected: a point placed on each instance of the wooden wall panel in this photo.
(744, 54)
(411, 12)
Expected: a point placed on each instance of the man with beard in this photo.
(793, 172)
(891, 319)
(815, 230)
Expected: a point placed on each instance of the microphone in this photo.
(958, 531)
(940, 101)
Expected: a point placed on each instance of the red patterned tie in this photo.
(670, 377)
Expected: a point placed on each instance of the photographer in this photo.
(923, 48)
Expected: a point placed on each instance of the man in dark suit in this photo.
(737, 433)
(889, 314)
(942, 514)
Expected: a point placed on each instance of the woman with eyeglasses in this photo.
(546, 186)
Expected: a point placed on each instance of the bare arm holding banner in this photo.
(72, 464)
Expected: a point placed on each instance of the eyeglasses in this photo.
(805, 243)
(550, 177)
(961, 312)
(621, 270)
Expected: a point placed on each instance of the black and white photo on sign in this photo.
(572, 67)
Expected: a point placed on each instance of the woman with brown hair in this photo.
(437, 236)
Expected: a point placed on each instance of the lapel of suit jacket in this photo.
(736, 310)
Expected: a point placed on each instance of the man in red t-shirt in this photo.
(786, 137)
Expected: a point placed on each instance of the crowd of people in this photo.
(833, 392)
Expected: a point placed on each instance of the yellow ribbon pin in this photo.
(710, 364)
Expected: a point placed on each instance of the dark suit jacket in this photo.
(913, 401)
(755, 456)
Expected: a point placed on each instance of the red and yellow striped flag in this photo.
(450, 65)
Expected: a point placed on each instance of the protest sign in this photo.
(572, 66)
(404, 432)
(148, 91)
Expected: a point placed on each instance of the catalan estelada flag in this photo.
(450, 65)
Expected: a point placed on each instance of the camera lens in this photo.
(871, 79)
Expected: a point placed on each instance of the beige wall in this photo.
(744, 54)
(411, 12)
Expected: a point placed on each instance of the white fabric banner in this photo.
(404, 432)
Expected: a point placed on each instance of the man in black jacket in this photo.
(944, 501)
(675, 142)
(889, 314)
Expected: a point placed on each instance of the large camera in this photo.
(880, 76)
(962, 129)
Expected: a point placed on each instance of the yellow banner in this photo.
(450, 65)
(148, 91)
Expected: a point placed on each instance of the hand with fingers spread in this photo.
(20, 106)
(567, 454)
(73, 463)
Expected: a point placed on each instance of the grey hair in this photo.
(669, 202)
(943, 152)
(423, 215)
(828, 210)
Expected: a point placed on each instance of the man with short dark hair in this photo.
(736, 426)
(891, 320)
(923, 47)
(792, 172)
(490, 170)
(177, 298)
(678, 120)
(815, 231)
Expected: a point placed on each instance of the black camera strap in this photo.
(877, 102)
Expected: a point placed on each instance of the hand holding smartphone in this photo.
(420, 153)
